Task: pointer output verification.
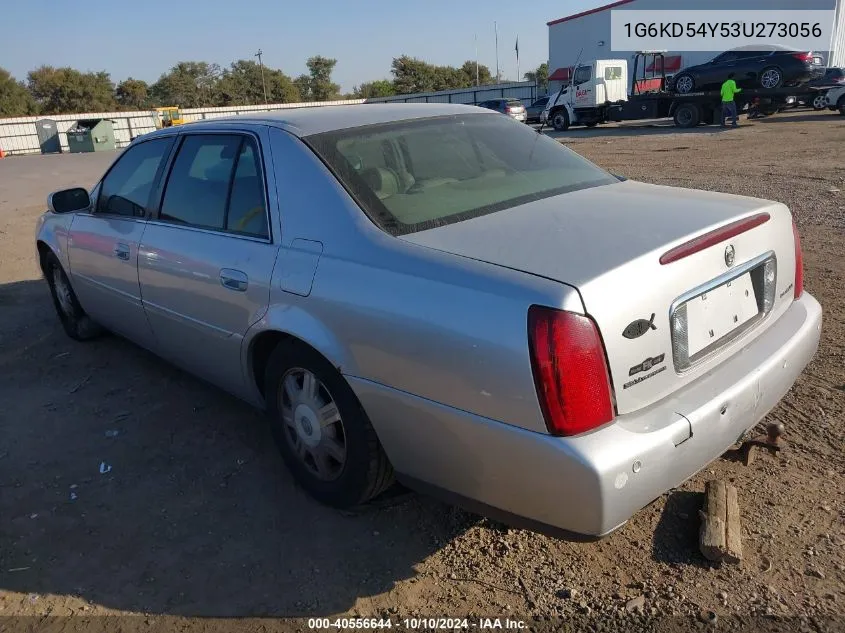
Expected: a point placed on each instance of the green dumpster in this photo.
(91, 135)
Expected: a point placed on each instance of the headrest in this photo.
(384, 182)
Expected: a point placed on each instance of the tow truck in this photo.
(598, 93)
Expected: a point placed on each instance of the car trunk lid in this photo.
(608, 242)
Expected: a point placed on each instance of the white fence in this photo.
(20, 135)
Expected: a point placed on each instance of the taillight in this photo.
(570, 370)
(508, 109)
(804, 57)
(799, 262)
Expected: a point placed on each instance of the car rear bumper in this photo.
(589, 485)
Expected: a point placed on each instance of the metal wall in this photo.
(19, 135)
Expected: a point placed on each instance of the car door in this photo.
(207, 256)
(749, 65)
(103, 244)
(713, 74)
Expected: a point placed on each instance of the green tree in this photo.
(539, 76)
(412, 75)
(320, 86)
(188, 85)
(15, 99)
(303, 86)
(60, 90)
(373, 89)
(485, 77)
(241, 84)
(132, 94)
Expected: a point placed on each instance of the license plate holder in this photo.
(715, 314)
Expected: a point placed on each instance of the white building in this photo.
(588, 33)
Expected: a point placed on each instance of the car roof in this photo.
(304, 121)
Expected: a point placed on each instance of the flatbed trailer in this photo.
(694, 108)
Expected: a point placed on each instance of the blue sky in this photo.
(127, 39)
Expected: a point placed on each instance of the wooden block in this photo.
(733, 531)
(720, 535)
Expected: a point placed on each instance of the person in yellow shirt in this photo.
(729, 90)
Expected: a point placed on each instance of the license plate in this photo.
(716, 313)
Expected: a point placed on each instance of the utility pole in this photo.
(261, 64)
(476, 59)
(496, 27)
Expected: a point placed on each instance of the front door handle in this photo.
(121, 251)
(234, 279)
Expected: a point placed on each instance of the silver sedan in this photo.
(440, 295)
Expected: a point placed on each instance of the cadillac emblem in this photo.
(730, 255)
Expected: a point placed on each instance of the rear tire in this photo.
(687, 115)
(841, 105)
(560, 120)
(75, 321)
(819, 102)
(321, 429)
(771, 78)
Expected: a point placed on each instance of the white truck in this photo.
(587, 98)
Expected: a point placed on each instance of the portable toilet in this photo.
(91, 135)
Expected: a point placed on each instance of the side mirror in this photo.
(68, 200)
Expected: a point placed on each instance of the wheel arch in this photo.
(292, 324)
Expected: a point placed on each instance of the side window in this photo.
(216, 183)
(582, 75)
(247, 213)
(126, 188)
(613, 72)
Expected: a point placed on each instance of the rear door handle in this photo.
(121, 251)
(234, 279)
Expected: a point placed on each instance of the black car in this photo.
(534, 111)
(767, 69)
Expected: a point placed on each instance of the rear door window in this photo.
(216, 183)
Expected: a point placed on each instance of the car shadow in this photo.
(675, 538)
(130, 484)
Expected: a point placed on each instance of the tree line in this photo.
(192, 84)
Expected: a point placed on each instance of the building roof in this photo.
(318, 119)
(612, 5)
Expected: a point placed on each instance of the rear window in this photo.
(514, 102)
(410, 176)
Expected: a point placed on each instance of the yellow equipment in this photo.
(167, 117)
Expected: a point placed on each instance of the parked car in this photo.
(533, 112)
(816, 95)
(835, 99)
(511, 107)
(768, 69)
(435, 293)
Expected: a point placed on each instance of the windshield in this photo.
(410, 176)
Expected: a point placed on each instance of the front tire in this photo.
(841, 105)
(560, 120)
(75, 321)
(771, 78)
(819, 102)
(321, 430)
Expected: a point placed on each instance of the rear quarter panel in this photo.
(449, 329)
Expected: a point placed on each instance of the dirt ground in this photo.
(197, 517)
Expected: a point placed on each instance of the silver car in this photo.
(442, 295)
